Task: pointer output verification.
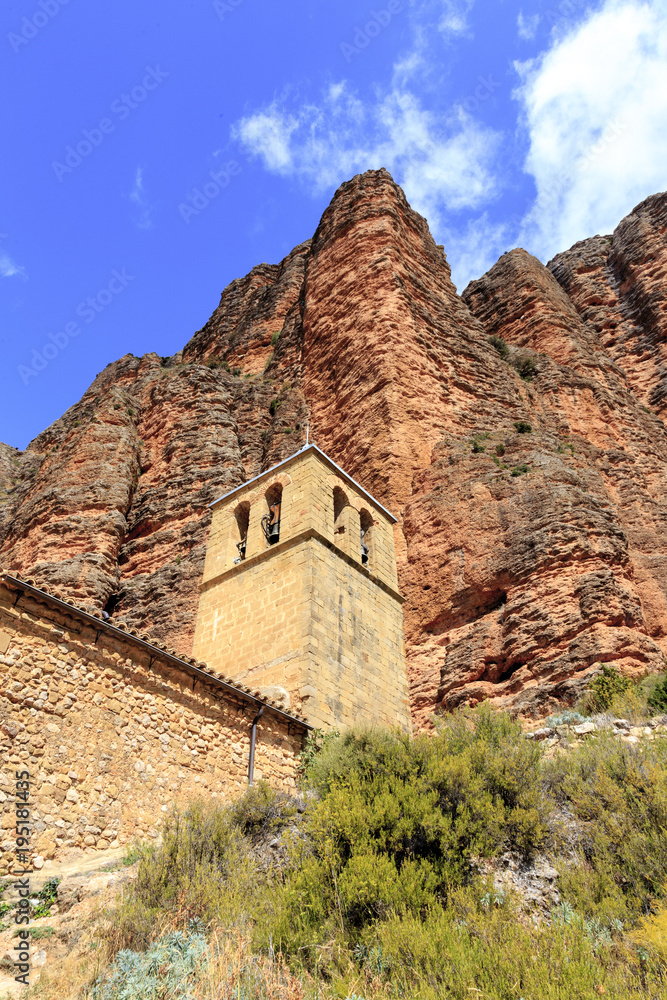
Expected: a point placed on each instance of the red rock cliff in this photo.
(528, 470)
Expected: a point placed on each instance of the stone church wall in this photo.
(110, 738)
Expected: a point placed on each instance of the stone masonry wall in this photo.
(111, 739)
(253, 624)
(357, 655)
(307, 618)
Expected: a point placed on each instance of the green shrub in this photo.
(477, 447)
(275, 338)
(399, 820)
(273, 405)
(260, 808)
(500, 449)
(470, 950)
(316, 741)
(658, 697)
(500, 345)
(522, 427)
(520, 470)
(203, 869)
(47, 896)
(186, 877)
(236, 372)
(604, 688)
(616, 792)
(37, 933)
(525, 366)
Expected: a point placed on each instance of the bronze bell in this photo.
(271, 524)
(364, 550)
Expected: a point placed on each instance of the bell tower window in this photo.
(242, 518)
(366, 537)
(271, 521)
(340, 503)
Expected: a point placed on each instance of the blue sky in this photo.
(153, 152)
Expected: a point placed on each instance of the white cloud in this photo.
(443, 161)
(8, 267)
(431, 23)
(595, 106)
(527, 26)
(454, 16)
(474, 248)
(138, 197)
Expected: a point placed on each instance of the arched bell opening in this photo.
(271, 521)
(366, 537)
(242, 518)
(341, 502)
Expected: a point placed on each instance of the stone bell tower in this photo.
(300, 592)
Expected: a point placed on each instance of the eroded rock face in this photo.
(531, 509)
(618, 284)
(113, 508)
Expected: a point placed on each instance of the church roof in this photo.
(325, 458)
(120, 630)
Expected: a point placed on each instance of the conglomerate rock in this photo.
(508, 429)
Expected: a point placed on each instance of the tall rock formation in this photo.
(514, 430)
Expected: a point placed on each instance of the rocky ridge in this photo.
(527, 471)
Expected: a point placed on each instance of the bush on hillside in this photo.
(616, 793)
(469, 950)
(379, 895)
(525, 366)
(202, 868)
(400, 819)
(658, 697)
(604, 688)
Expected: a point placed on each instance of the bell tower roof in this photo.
(323, 457)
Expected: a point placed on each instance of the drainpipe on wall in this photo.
(253, 738)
